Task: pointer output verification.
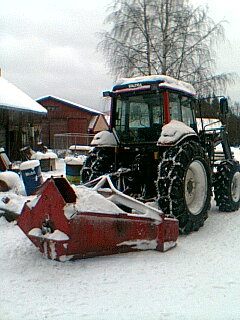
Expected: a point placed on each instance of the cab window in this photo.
(181, 109)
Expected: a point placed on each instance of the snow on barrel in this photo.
(73, 168)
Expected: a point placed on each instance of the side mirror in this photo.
(224, 105)
(107, 94)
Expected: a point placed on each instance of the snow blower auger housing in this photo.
(157, 149)
(54, 224)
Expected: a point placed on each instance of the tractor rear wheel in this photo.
(184, 185)
(227, 186)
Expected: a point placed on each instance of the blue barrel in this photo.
(31, 175)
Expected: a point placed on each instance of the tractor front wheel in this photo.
(99, 162)
(227, 186)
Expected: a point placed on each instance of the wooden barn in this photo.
(69, 119)
(20, 120)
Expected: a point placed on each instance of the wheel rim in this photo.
(196, 186)
(235, 187)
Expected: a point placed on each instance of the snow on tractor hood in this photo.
(104, 138)
(174, 131)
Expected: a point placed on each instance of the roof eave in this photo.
(70, 103)
(21, 109)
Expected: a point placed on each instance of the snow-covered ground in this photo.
(198, 279)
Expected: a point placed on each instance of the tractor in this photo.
(157, 151)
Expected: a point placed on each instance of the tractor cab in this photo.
(141, 106)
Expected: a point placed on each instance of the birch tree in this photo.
(169, 37)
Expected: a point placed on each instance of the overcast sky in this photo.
(48, 47)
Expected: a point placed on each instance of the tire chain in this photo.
(170, 190)
(222, 185)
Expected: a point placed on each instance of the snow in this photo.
(198, 279)
(77, 154)
(12, 97)
(12, 202)
(140, 244)
(44, 155)
(32, 203)
(30, 164)
(236, 152)
(57, 235)
(90, 201)
(104, 138)
(78, 160)
(11, 179)
(168, 82)
(208, 123)
(173, 131)
(80, 148)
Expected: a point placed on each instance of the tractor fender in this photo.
(104, 138)
(174, 132)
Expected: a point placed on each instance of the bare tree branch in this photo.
(167, 37)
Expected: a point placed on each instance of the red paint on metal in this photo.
(166, 107)
(91, 234)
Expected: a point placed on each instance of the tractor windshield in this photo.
(138, 117)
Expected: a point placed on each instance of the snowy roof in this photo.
(70, 103)
(92, 122)
(107, 118)
(161, 80)
(98, 122)
(14, 98)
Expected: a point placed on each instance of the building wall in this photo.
(17, 130)
(101, 124)
(63, 118)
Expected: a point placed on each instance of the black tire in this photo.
(99, 162)
(102, 161)
(184, 185)
(227, 186)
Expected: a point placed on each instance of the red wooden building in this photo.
(70, 118)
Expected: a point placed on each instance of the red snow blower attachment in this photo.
(63, 231)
